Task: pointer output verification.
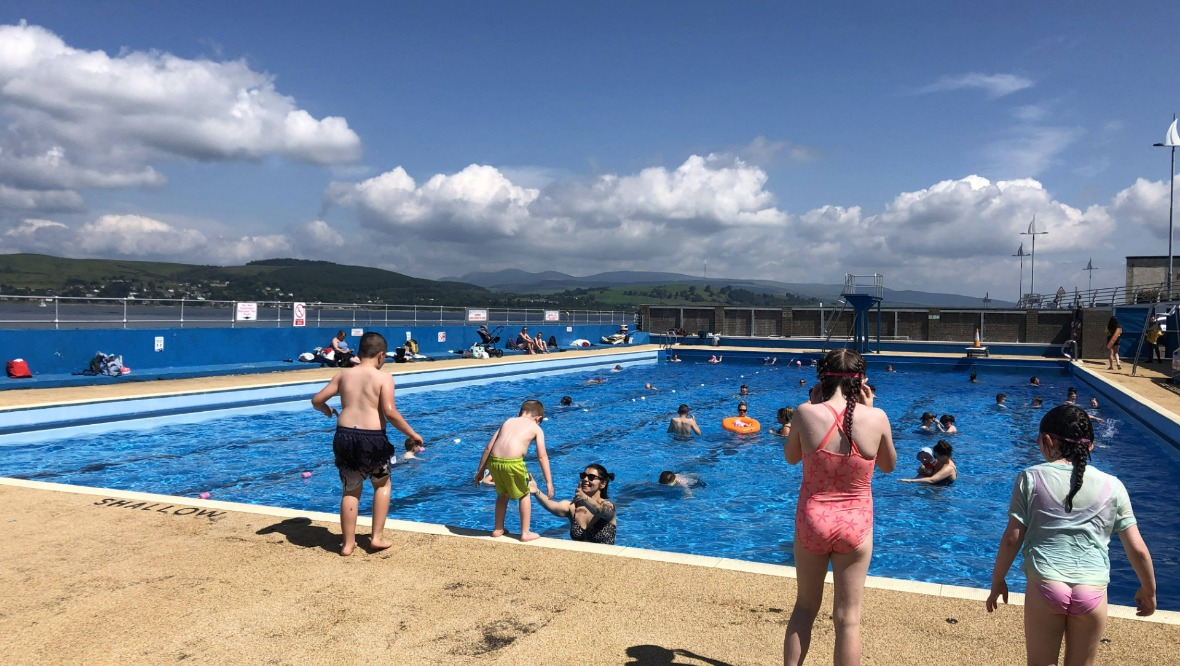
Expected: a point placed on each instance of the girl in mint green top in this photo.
(1064, 512)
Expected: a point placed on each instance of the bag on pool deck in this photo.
(19, 369)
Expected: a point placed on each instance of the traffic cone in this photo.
(977, 342)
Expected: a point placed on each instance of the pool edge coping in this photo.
(704, 561)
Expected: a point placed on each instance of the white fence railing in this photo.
(19, 311)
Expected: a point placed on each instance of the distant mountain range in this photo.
(323, 281)
(550, 282)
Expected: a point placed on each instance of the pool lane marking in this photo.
(708, 562)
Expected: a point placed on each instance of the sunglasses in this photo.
(742, 410)
(592, 477)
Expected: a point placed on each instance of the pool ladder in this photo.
(832, 326)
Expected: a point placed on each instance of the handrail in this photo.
(832, 326)
(107, 312)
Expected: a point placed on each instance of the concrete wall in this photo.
(927, 325)
(67, 351)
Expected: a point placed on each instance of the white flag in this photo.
(1173, 138)
(1032, 226)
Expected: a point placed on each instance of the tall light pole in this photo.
(1032, 231)
(1020, 253)
(1090, 280)
(1171, 141)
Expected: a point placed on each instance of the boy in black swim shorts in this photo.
(361, 447)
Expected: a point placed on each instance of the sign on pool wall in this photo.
(477, 315)
(247, 312)
(299, 311)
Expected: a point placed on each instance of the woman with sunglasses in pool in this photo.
(591, 514)
(834, 515)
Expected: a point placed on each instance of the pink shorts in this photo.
(1067, 599)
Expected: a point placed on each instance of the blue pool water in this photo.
(746, 510)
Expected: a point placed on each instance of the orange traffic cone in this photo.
(977, 342)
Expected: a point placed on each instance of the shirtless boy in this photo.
(361, 447)
(684, 423)
(504, 457)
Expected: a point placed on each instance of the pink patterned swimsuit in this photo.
(835, 510)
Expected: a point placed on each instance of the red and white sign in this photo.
(442, 336)
(300, 314)
(247, 312)
(477, 315)
(553, 315)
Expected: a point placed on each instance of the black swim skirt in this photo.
(366, 451)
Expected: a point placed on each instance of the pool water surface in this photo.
(744, 510)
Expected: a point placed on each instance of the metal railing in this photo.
(22, 311)
(1098, 298)
(873, 285)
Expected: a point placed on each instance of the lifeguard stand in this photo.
(863, 292)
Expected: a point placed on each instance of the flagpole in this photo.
(1032, 275)
(1020, 253)
(1170, 141)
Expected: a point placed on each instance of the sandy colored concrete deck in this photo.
(87, 580)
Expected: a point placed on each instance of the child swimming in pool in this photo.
(1063, 512)
(504, 457)
(361, 447)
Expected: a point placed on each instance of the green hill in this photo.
(272, 279)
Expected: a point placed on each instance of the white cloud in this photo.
(1144, 204)
(316, 237)
(479, 217)
(995, 85)
(84, 119)
(135, 235)
(1029, 151)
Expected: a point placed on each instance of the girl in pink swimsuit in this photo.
(834, 516)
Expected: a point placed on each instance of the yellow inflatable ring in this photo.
(742, 424)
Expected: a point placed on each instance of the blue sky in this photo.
(772, 141)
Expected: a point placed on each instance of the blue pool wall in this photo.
(19, 423)
(1006, 348)
(69, 351)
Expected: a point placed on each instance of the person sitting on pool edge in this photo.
(590, 512)
(945, 473)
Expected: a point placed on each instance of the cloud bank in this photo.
(76, 119)
(994, 85)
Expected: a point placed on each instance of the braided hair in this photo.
(1072, 432)
(850, 364)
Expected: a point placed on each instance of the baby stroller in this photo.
(488, 340)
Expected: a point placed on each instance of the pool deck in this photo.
(100, 576)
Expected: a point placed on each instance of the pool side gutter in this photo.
(1152, 415)
(151, 501)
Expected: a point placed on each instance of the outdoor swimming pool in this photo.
(746, 511)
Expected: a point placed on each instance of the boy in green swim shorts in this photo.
(504, 458)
